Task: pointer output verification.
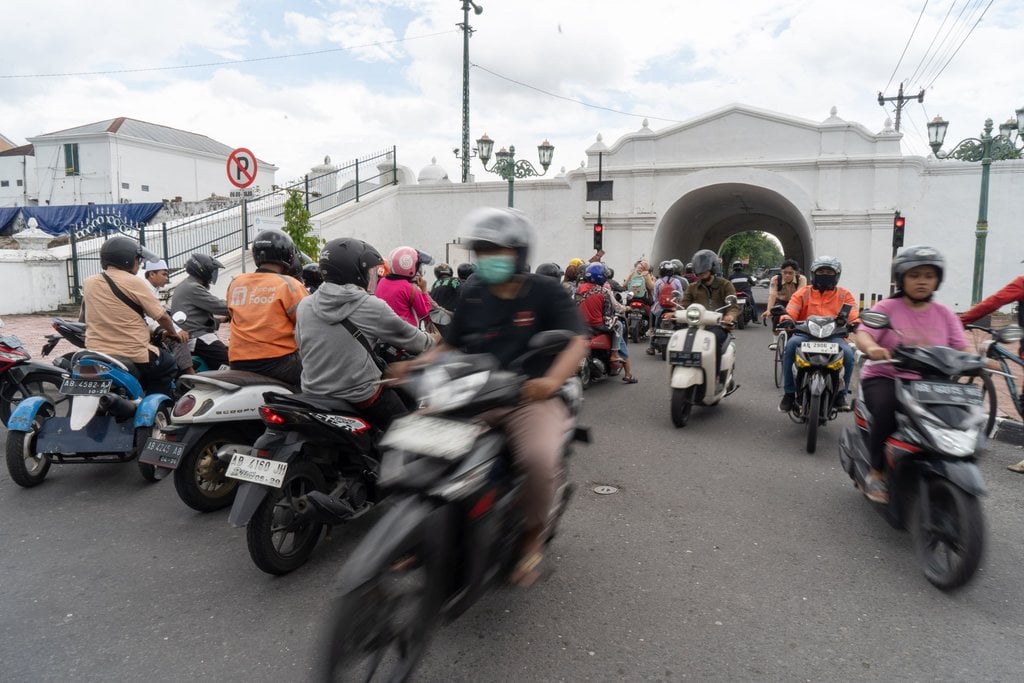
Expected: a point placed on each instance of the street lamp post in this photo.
(984, 149)
(467, 30)
(506, 166)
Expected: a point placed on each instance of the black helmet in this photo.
(123, 252)
(503, 228)
(203, 267)
(665, 269)
(442, 270)
(706, 260)
(346, 261)
(737, 265)
(550, 269)
(312, 277)
(273, 246)
(914, 256)
(465, 270)
(689, 267)
(677, 266)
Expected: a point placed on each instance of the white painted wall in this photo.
(15, 169)
(33, 281)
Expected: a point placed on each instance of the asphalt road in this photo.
(728, 553)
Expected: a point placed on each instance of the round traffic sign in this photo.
(241, 168)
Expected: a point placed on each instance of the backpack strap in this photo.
(124, 297)
(358, 335)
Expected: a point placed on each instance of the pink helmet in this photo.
(404, 261)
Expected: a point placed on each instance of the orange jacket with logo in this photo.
(262, 306)
(808, 301)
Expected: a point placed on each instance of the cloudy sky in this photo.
(389, 72)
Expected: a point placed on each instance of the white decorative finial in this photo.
(645, 123)
(833, 111)
(327, 160)
(600, 137)
(888, 126)
(433, 160)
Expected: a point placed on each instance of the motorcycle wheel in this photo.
(584, 374)
(278, 542)
(682, 404)
(162, 418)
(741, 320)
(34, 384)
(199, 478)
(634, 331)
(26, 467)
(949, 536)
(379, 630)
(813, 415)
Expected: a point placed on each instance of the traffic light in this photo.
(598, 237)
(899, 224)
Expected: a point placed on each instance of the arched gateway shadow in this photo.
(704, 217)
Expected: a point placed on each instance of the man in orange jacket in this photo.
(1013, 291)
(823, 296)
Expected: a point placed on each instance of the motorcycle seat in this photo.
(117, 361)
(314, 401)
(240, 378)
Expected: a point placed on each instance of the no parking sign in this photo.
(241, 168)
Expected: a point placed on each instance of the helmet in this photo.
(346, 261)
(827, 262)
(123, 252)
(465, 270)
(442, 270)
(299, 260)
(737, 265)
(705, 260)
(609, 273)
(312, 277)
(404, 261)
(914, 256)
(665, 268)
(576, 262)
(677, 266)
(504, 228)
(596, 274)
(550, 269)
(689, 267)
(273, 246)
(203, 267)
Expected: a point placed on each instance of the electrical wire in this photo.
(929, 49)
(961, 44)
(903, 54)
(228, 62)
(570, 99)
(960, 24)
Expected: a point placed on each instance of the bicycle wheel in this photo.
(780, 349)
(989, 401)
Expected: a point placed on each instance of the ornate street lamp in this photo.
(506, 166)
(984, 149)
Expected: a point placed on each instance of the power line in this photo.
(226, 62)
(903, 54)
(935, 78)
(929, 48)
(570, 99)
(948, 40)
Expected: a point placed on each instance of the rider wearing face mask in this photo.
(823, 296)
(710, 290)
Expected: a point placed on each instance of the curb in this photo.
(1009, 431)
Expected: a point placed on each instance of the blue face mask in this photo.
(495, 270)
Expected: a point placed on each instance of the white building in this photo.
(124, 160)
(18, 186)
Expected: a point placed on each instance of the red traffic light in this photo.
(598, 227)
(598, 237)
(899, 222)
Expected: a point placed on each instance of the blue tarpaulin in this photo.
(91, 218)
(7, 215)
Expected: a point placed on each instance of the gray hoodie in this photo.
(334, 363)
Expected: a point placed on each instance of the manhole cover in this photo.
(605, 490)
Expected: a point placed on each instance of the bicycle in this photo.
(779, 345)
(992, 348)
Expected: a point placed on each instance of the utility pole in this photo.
(899, 100)
(467, 30)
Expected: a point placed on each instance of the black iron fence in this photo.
(229, 230)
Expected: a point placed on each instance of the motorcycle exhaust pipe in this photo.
(117, 406)
(317, 505)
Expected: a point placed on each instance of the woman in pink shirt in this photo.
(404, 288)
(916, 321)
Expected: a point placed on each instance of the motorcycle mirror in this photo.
(876, 321)
(731, 299)
(179, 317)
(1009, 334)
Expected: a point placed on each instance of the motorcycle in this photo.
(68, 330)
(456, 528)
(20, 377)
(108, 421)
(692, 355)
(934, 483)
(818, 372)
(667, 326)
(747, 312)
(638, 318)
(216, 408)
(315, 464)
(598, 364)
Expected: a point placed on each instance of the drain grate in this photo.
(605, 489)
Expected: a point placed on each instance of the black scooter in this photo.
(934, 483)
(456, 527)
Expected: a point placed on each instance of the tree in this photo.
(298, 227)
(755, 246)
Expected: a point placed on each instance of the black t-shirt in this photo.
(446, 293)
(484, 323)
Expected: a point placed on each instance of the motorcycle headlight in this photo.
(442, 393)
(956, 442)
(821, 331)
(692, 316)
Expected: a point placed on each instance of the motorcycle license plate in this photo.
(433, 436)
(162, 453)
(819, 347)
(689, 359)
(73, 386)
(257, 470)
(948, 392)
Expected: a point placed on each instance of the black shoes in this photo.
(786, 404)
(841, 404)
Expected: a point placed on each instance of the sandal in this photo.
(629, 379)
(651, 351)
(876, 490)
(526, 572)
(1019, 467)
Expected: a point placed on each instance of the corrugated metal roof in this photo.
(143, 130)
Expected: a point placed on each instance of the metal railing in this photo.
(229, 230)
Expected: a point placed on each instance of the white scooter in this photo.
(691, 356)
(217, 408)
